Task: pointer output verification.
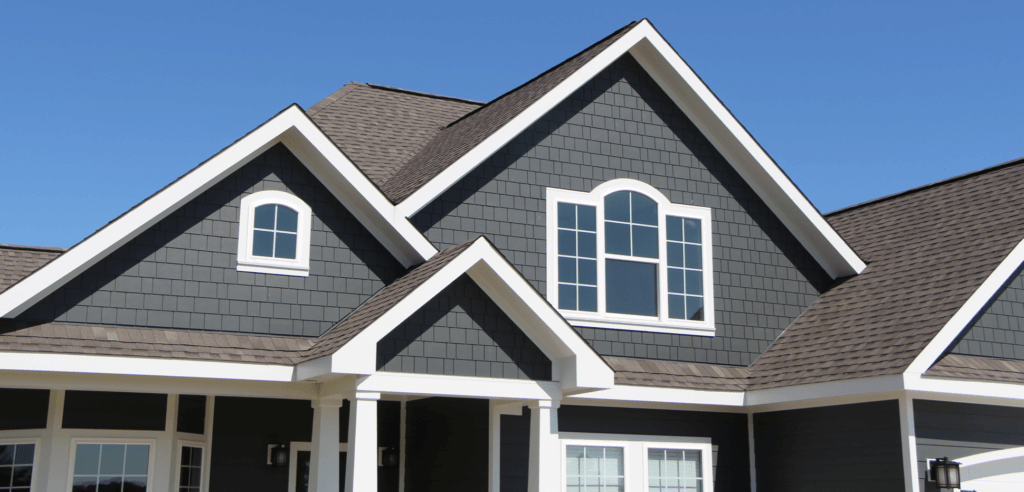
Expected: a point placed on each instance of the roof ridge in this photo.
(55, 249)
(934, 184)
(332, 98)
(424, 94)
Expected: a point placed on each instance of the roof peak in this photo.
(934, 184)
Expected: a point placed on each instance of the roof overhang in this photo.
(707, 112)
(575, 365)
(291, 127)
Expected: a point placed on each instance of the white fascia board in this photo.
(580, 367)
(824, 391)
(968, 311)
(711, 117)
(459, 386)
(673, 396)
(751, 161)
(985, 392)
(292, 127)
(143, 366)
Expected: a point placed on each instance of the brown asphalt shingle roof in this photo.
(927, 250)
(16, 262)
(668, 374)
(380, 128)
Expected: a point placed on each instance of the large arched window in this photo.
(273, 234)
(623, 256)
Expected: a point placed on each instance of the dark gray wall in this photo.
(999, 331)
(957, 430)
(24, 408)
(515, 452)
(840, 448)
(462, 332)
(181, 272)
(622, 125)
(446, 445)
(110, 410)
(728, 433)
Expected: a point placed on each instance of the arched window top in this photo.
(274, 231)
(624, 256)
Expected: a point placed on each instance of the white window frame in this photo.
(35, 455)
(75, 441)
(603, 319)
(634, 455)
(202, 467)
(247, 262)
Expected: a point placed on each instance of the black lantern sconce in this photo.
(277, 454)
(945, 473)
(389, 458)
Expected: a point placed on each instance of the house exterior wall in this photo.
(181, 273)
(957, 430)
(462, 332)
(515, 452)
(840, 448)
(29, 412)
(999, 331)
(622, 125)
(446, 445)
(728, 433)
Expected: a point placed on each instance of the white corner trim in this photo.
(143, 366)
(661, 323)
(248, 262)
(577, 366)
(968, 311)
(291, 127)
(711, 117)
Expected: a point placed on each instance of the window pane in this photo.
(694, 282)
(695, 308)
(675, 254)
(6, 455)
(5, 476)
(262, 243)
(693, 231)
(574, 460)
(137, 460)
(588, 299)
(566, 269)
(613, 466)
(631, 288)
(134, 484)
(645, 241)
(586, 218)
(566, 296)
(24, 454)
(677, 307)
(112, 459)
(616, 238)
(566, 243)
(693, 256)
(264, 216)
(588, 244)
(197, 456)
(674, 228)
(21, 476)
(616, 206)
(676, 281)
(285, 245)
(84, 484)
(567, 215)
(587, 272)
(287, 219)
(87, 459)
(110, 484)
(645, 210)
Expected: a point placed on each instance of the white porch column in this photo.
(361, 462)
(494, 449)
(324, 473)
(909, 444)
(545, 459)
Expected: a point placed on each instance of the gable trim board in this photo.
(303, 138)
(710, 116)
(574, 362)
(968, 312)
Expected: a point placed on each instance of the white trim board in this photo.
(304, 139)
(697, 101)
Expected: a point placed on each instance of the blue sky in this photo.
(103, 103)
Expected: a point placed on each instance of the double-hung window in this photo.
(274, 234)
(628, 463)
(17, 464)
(623, 256)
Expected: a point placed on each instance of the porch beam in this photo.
(545, 461)
(361, 459)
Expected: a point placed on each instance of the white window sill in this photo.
(652, 326)
(294, 271)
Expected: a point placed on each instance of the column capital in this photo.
(552, 404)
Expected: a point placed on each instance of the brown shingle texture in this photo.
(927, 250)
(379, 128)
(667, 374)
(16, 262)
(978, 368)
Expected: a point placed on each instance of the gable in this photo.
(622, 125)
(462, 332)
(998, 331)
(181, 272)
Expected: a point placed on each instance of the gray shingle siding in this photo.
(999, 331)
(181, 272)
(622, 125)
(462, 332)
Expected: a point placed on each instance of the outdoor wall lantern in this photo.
(945, 473)
(277, 454)
(389, 458)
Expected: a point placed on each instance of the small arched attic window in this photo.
(273, 234)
